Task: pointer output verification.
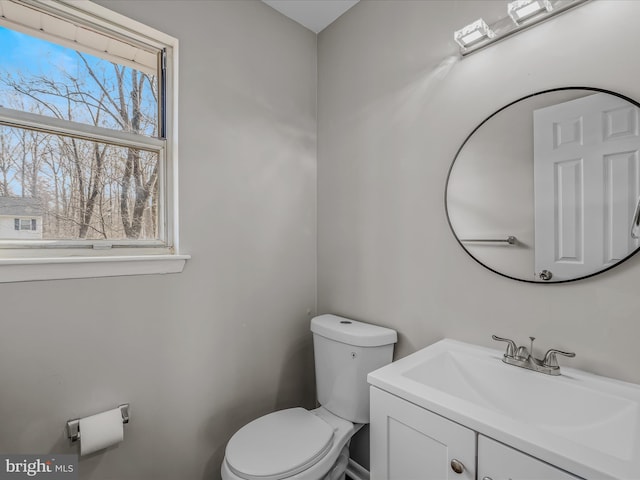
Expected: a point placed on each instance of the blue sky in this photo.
(33, 57)
(28, 54)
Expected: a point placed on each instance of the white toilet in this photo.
(314, 445)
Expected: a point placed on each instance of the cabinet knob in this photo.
(457, 466)
(487, 478)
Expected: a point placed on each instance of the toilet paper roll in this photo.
(100, 431)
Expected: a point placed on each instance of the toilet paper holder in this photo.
(73, 426)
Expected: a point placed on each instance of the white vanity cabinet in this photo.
(456, 401)
(499, 462)
(409, 442)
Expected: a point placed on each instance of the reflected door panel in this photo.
(586, 177)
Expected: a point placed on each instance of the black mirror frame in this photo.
(593, 89)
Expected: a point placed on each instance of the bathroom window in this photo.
(87, 108)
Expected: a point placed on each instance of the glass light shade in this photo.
(519, 10)
(473, 33)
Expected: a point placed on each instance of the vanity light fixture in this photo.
(520, 10)
(473, 33)
(521, 14)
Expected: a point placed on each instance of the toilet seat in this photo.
(279, 445)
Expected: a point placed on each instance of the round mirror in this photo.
(546, 188)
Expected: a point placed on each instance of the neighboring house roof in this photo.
(21, 206)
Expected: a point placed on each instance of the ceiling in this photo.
(316, 15)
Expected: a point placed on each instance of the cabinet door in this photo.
(411, 443)
(499, 462)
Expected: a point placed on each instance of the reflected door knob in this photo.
(545, 275)
(457, 466)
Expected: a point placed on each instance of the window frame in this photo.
(50, 259)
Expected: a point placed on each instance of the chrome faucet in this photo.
(523, 357)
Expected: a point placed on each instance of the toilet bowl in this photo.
(290, 444)
(305, 444)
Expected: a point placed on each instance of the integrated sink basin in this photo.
(585, 423)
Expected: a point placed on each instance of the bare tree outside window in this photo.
(86, 189)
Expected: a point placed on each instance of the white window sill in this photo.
(57, 268)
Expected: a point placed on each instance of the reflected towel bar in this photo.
(511, 240)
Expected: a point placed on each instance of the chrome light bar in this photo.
(521, 14)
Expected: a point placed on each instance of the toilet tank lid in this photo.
(352, 332)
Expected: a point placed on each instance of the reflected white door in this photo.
(586, 183)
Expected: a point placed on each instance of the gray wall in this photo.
(394, 104)
(200, 353)
(197, 354)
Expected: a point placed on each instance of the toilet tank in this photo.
(345, 352)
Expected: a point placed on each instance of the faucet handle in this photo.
(511, 345)
(550, 359)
